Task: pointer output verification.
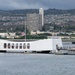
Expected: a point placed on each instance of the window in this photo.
(16, 45)
(28, 46)
(5, 45)
(12, 45)
(8, 45)
(20, 45)
(24, 46)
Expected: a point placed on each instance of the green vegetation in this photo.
(34, 37)
(61, 34)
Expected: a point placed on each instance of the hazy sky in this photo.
(28, 4)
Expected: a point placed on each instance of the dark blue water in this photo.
(37, 64)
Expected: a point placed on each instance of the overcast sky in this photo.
(28, 4)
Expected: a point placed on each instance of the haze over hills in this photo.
(27, 11)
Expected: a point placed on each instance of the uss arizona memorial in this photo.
(44, 45)
(53, 45)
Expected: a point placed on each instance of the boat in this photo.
(61, 52)
(71, 51)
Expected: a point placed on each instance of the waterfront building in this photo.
(41, 46)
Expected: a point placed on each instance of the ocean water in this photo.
(37, 64)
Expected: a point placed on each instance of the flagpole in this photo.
(25, 30)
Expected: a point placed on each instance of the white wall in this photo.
(40, 45)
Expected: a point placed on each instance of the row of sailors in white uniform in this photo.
(17, 45)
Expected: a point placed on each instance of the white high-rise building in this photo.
(41, 12)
